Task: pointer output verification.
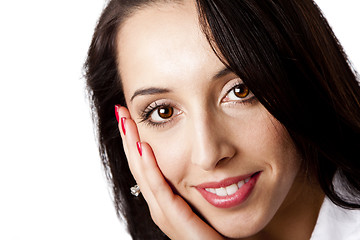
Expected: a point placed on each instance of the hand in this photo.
(168, 210)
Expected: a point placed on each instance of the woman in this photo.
(238, 119)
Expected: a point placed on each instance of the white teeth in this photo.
(240, 184)
(212, 190)
(221, 192)
(231, 189)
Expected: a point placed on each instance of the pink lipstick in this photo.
(229, 192)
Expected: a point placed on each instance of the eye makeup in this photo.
(162, 112)
(238, 93)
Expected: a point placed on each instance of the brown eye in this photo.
(241, 91)
(165, 112)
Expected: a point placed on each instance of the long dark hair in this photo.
(285, 52)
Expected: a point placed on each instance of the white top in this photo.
(336, 223)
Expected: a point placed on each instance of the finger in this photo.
(130, 136)
(159, 188)
(153, 175)
(168, 210)
(131, 139)
(122, 114)
(177, 213)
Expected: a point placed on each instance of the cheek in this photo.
(283, 157)
(274, 144)
(271, 147)
(285, 153)
(171, 156)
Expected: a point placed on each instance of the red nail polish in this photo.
(123, 125)
(138, 144)
(117, 112)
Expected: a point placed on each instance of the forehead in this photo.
(163, 42)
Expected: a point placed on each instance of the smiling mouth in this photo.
(229, 192)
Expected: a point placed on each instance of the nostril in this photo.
(223, 161)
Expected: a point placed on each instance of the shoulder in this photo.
(337, 223)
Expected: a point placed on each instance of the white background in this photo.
(51, 181)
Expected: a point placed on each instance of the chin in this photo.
(239, 228)
(238, 233)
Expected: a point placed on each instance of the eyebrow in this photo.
(149, 91)
(223, 72)
(155, 90)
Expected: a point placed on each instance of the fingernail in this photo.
(117, 112)
(138, 144)
(123, 125)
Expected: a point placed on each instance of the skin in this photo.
(213, 135)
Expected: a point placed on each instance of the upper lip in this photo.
(226, 182)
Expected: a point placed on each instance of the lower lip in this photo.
(233, 200)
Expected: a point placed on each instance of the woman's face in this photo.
(217, 146)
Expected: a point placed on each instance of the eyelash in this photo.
(249, 98)
(146, 113)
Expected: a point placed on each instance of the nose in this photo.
(211, 145)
